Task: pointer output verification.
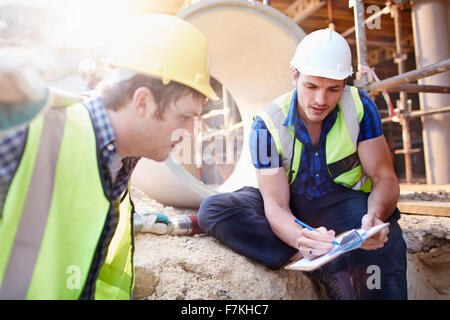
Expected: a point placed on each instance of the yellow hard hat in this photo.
(164, 46)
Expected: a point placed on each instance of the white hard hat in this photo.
(323, 53)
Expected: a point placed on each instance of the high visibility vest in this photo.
(343, 164)
(54, 214)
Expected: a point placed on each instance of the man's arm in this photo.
(376, 160)
(275, 192)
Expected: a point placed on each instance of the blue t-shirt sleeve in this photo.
(370, 126)
(263, 151)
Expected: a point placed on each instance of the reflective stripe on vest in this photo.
(31, 226)
(47, 248)
(116, 278)
(274, 116)
(342, 158)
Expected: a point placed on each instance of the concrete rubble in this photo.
(200, 267)
(428, 241)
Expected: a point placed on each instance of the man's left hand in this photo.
(377, 240)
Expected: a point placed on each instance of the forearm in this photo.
(383, 197)
(282, 222)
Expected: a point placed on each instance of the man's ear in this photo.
(294, 74)
(143, 102)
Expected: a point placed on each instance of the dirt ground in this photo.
(440, 195)
(200, 267)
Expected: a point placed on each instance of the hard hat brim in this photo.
(324, 73)
(209, 92)
(204, 88)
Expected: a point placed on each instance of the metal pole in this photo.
(330, 15)
(420, 113)
(361, 47)
(385, 10)
(410, 76)
(412, 87)
(227, 123)
(402, 105)
(198, 148)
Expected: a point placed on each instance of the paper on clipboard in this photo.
(310, 265)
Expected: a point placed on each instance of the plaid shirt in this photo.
(11, 148)
(106, 141)
(312, 180)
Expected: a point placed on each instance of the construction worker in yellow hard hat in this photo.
(65, 209)
(320, 157)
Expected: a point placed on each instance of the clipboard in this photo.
(310, 265)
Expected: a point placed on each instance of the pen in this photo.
(311, 228)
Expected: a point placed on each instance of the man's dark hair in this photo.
(118, 95)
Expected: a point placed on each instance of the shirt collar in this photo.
(289, 121)
(102, 126)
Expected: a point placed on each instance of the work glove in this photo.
(144, 221)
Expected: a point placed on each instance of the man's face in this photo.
(316, 96)
(158, 136)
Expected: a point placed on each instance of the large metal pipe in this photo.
(431, 30)
(250, 47)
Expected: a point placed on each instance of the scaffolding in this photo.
(366, 78)
(229, 129)
(399, 83)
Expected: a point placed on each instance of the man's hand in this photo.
(10, 93)
(379, 239)
(312, 244)
(21, 77)
(376, 160)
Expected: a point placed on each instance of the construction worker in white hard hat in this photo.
(320, 157)
(65, 209)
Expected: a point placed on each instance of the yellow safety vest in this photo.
(54, 214)
(343, 164)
